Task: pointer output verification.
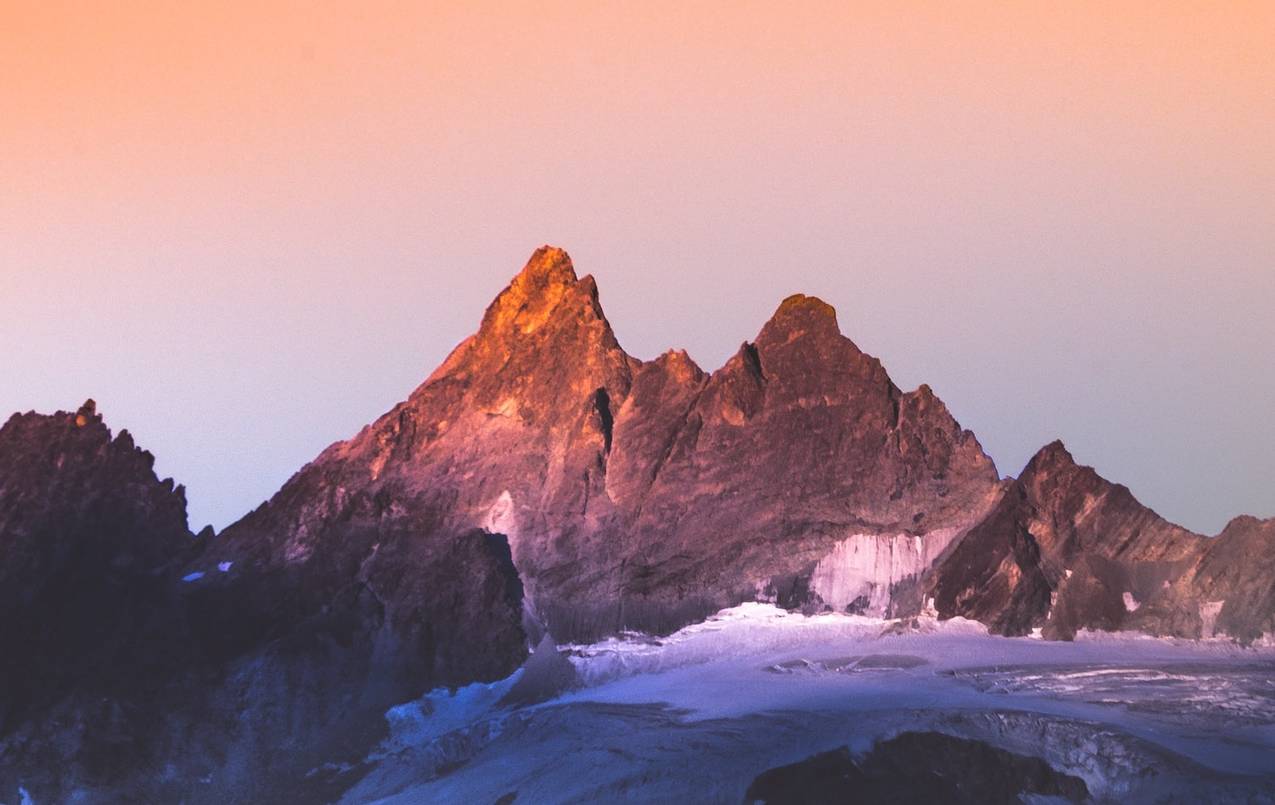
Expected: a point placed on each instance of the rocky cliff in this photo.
(644, 495)
(1065, 550)
(129, 677)
(1227, 588)
(86, 532)
(540, 480)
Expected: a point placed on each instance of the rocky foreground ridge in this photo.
(541, 480)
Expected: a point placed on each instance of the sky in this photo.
(248, 229)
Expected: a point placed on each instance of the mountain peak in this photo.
(87, 413)
(545, 313)
(800, 315)
(1052, 454)
(1247, 522)
(533, 295)
(800, 307)
(680, 364)
(548, 265)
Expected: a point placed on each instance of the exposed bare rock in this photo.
(799, 443)
(1079, 512)
(1062, 551)
(917, 767)
(1238, 569)
(1228, 591)
(1068, 550)
(541, 484)
(86, 530)
(638, 495)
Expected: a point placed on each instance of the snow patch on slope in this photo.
(1209, 611)
(750, 630)
(859, 572)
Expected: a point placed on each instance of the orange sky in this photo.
(1059, 215)
(143, 98)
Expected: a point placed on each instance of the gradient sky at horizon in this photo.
(249, 229)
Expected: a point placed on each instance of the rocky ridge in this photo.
(643, 495)
(1065, 550)
(86, 533)
(540, 480)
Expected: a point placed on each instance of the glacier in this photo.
(698, 714)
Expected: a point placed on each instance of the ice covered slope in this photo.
(861, 572)
(701, 713)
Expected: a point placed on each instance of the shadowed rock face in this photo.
(127, 674)
(1061, 552)
(1066, 550)
(916, 767)
(994, 575)
(86, 530)
(1229, 588)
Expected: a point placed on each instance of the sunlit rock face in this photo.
(1067, 550)
(646, 495)
(639, 494)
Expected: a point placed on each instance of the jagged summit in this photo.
(800, 315)
(87, 413)
(548, 264)
(545, 325)
(1054, 454)
(1246, 521)
(541, 480)
(544, 282)
(64, 449)
(86, 532)
(680, 363)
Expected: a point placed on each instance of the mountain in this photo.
(86, 531)
(644, 495)
(540, 482)
(127, 676)
(1065, 550)
(1227, 589)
